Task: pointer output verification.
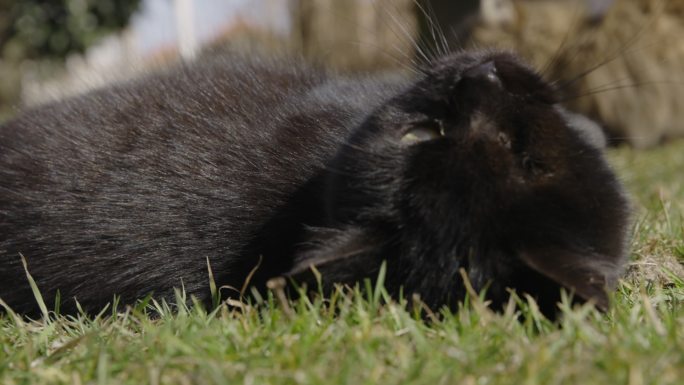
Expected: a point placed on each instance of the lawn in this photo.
(356, 339)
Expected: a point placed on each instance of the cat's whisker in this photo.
(422, 49)
(438, 36)
(611, 84)
(619, 52)
(605, 88)
(553, 60)
(410, 61)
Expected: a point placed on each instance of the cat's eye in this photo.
(423, 132)
(504, 140)
(533, 165)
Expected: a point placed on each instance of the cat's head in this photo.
(475, 166)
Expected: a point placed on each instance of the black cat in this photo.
(258, 162)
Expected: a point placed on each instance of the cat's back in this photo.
(226, 89)
(200, 121)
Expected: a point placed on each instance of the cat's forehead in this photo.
(455, 65)
(505, 69)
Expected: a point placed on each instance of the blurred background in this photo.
(616, 61)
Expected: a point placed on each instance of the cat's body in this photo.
(246, 163)
(137, 186)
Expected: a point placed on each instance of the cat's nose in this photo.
(483, 71)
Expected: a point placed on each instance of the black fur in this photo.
(128, 190)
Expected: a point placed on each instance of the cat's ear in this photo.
(589, 130)
(340, 256)
(588, 275)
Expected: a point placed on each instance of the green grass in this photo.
(353, 339)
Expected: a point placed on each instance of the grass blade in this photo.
(35, 290)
